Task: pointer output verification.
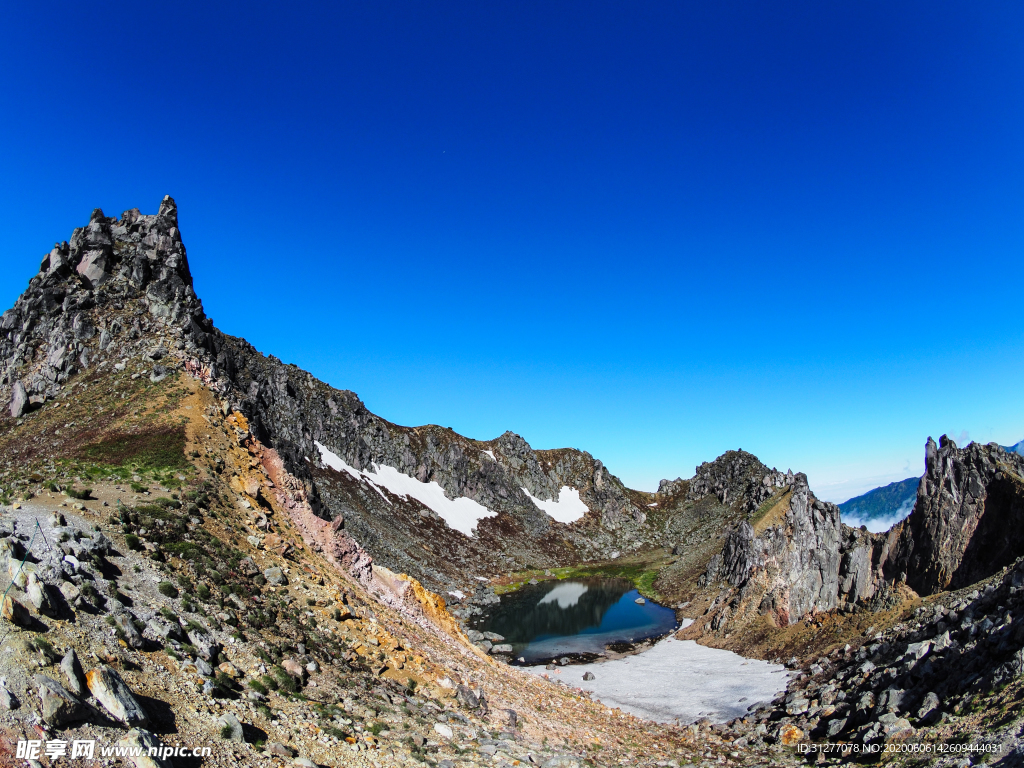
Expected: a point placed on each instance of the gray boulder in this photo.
(230, 727)
(7, 699)
(107, 687)
(72, 669)
(206, 646)
(144, 741)
(123, 621)
(275, 576)
(59, 706)
(19, 400)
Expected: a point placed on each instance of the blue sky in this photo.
(651, 231)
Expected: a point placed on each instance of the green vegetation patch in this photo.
(164, 449)
(642, 574)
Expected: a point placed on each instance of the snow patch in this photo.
(460, 514)
(457, 593)
(568, 508)
(566, 595)
(678, 680)
(491, 454)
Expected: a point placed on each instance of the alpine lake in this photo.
(578, 619)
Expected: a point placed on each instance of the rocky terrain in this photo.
(204, 544)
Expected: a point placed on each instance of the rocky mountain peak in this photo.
(968, 520)
(736, 477)
(101, 283)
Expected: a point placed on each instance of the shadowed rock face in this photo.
(968, 521)
(793, 566)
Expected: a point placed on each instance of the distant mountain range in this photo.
(1018, 448)
(883, 507)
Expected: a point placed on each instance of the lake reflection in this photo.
(553, 618)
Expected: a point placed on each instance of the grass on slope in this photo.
(162, 448)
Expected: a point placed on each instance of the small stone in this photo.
(107, 687)
(444, 730)
(280, 750)
(204, 668)
(790, 735)
(15, 612)
(36, 593)
(7, 699)
(72, 670)
(229, 669)
(275, 576)
(304, 762)
(503, 648)
(588, 676)
(640, 601)
(292, 667)
(230, 727)
(19, 400)
(143, 741)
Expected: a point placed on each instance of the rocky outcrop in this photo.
(792, 561)
(735, 477)
(54, 330)
(968, 521)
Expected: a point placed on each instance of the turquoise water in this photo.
(555, 618)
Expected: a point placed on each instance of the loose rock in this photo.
(59, 706)
(113, 693)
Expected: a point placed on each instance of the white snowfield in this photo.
(491, 454)
(460, 514)
(678, 680)
(566, 595)
(568, 508)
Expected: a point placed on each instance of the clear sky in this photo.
(653, 231)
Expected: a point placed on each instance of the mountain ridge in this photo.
(746, 552)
